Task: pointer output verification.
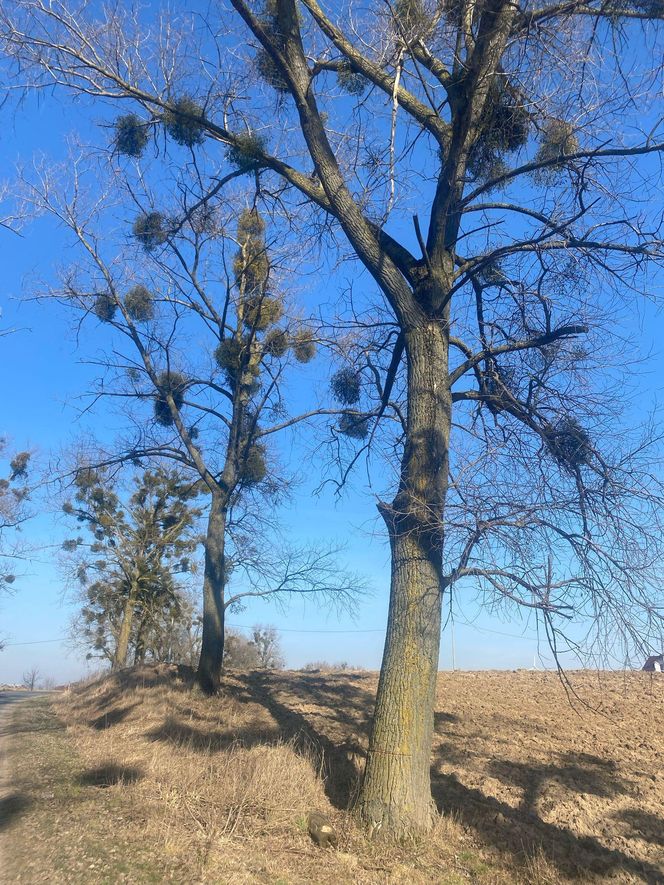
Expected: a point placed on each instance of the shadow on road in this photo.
(11, 807)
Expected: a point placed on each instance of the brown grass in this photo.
(142, 779)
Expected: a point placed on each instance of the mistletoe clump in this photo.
(19, 466)
(569, 444)
(276, 343)
(175, 385)
(412, 18)
(254, 465)
(558, 140)
(150, 230)
(346, 387)
(251, 265)
(138, 304)
(354, 426)
(247, 151)
(231, 355)
(349, 80)
(504, 128)
(228, 355)
(261, 312)
(303, 346)
(104, 307)
(131, 135)
(269, 72)
(184, 122)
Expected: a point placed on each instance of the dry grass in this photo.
(142, 779)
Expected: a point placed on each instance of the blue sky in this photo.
(43, 378)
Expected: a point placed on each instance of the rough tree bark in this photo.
(396, 794)
(212, 647)
(122, 647)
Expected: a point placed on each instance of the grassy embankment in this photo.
(138, 778)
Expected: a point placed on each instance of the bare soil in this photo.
(151, 782)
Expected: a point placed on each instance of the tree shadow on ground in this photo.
(11, 807)
(351, 705)
(440, 720)
(182, 734)
(524, 834)
(534, 779)
(109, 775)
(112, 717)
(643, 825)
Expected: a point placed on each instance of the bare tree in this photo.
(397, 126)
(206, 268)
(268, 647)
(30, 678)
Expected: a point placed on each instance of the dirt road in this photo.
(11, 802)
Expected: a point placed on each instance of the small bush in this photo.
(413, 18)
(131, 135)
(504, 128)
(228, 355)
(138, 304)
(18, 466)
(183, 122)
(250, 225)
(150, 230)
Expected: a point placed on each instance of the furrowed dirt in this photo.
(138, 778)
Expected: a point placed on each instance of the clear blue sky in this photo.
(43, 377)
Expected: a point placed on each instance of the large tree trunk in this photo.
(212, 640)
(122, 647)
(395, 797)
